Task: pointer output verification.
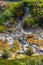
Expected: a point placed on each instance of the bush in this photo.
(17, 10)
(29, 22)
(29, 51)
(36, 14)
(6, 54)
(2, 28)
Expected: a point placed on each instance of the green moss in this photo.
(30, 61)
(2, 28)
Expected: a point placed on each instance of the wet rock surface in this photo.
(26, 38)
(31, 38)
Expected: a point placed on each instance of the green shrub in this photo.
(29, 22)
(2, 28)
(29, 51)
(17, 10)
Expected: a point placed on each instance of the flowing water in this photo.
(21, 34)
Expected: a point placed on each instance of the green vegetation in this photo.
(35, 15)
(16, 10)
(2, 28)
(16, 46)
(30, 61)
(11, 13)
(29, 51)
(29, 22)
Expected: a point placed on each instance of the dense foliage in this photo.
(16, 11)
(29, 51)
(35, 15)
(30, 61)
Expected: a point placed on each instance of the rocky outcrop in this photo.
(32, 39)
(4, 43)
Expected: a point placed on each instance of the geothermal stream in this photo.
(21, 33)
